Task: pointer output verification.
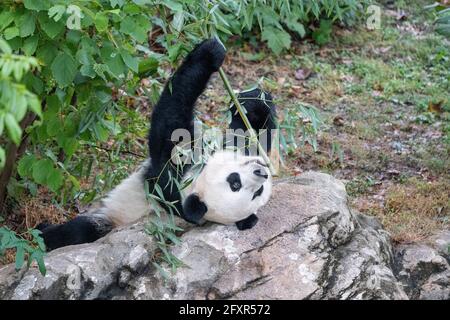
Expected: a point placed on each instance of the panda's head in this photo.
(229, 188)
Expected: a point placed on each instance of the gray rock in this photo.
(424, 269)
(306, 245)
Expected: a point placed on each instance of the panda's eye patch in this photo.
(234, 180)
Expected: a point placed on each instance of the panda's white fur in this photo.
(224, 205)
(127, 202)
(230, 187)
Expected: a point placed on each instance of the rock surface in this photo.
(424, 268)
(306, 245)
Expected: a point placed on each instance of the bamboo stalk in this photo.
(239, 108)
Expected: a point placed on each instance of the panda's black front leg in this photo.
(247, 223)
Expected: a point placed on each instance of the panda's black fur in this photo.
(173, 111)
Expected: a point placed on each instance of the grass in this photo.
(413, 210)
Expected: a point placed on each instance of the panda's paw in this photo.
(43, 225)
(247, 223)
(194, 209)
(211, 52)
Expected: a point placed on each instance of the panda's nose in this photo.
(260, 173)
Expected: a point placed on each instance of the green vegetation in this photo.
(78, 76)
(28, 245)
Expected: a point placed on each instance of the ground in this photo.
(383, 97)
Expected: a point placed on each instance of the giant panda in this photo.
(230, 187)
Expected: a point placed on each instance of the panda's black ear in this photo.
(194, 209)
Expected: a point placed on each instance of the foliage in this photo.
(80, 70)
(278, 20)
(304, 119)
(442, 23)
(25, 249)
(162, 227)
(15, 98)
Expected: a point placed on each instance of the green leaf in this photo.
(25, 165)
(296, 26)
(39, 257)
(35, 105)
(175, 51)
(38, 238)
(101, 132)
(53, 104)
(33, 84)
(173, 5)
(88, 71)
(4, 46)
(20, 257)
(30, 44)
(277, 39)
(54, 126)
(73, 36)
(136, 26)
(37, 5)
(101, 21)
(19, 105)
(172, 237)
(130, 61)
(64, 69)
(100, 70)
(163, 273)
(113, 60)
(14, 130)
(6, 17)
(46, 53)
(131, 8)
(27, 24)
(148, 65)
(75, 182)
(55, 180)
(268, 15)
(70, 145)
(11, 32)
(41, 170)
(50, 26)
(322, 35)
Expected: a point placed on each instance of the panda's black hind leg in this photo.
(247, 223)
(82, 229)
(43, 225)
